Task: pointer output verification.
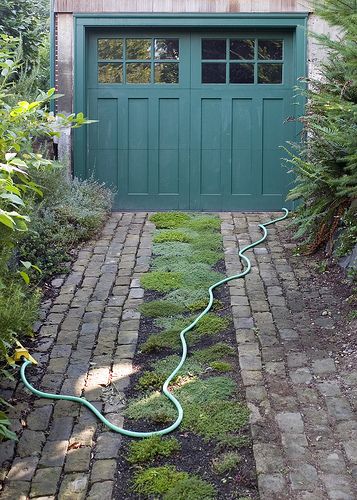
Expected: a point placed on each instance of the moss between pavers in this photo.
(184, 250)
(146, 450)
(172, 484)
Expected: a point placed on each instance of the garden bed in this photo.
(213, 451)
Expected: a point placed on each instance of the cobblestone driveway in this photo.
(304, 429)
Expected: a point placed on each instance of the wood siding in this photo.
(74, 6)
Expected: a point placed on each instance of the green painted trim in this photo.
(179, 15)
(52, 52)
(79, 101)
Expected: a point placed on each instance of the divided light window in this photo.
(242, 60)
(138, 60)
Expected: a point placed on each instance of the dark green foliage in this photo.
(348, 237)
(169, 220)
(325, 164)
(18, 312)
(226, 462)
(172, 235)
(159, 308)
(146, 450)
(71, 211)
(157, 480)
(28, 20)
(191, 488)
(162, 281)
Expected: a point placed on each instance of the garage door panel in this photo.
(208, 141)
(242, 174)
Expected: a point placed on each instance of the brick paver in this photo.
(85, 346)
(304, 428)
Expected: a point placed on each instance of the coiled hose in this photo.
(165, 388)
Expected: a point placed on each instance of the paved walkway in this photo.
(304, 429)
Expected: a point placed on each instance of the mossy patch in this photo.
(162, 340)
(157, 480)
(226, 462)
(210, 324)
(204, 223)
(166, 365)
(191, 488)
(160, 308)
(169, 220)
(147, 450)
(208, 408)
(214, 353)
(166, 235)
(221, 366)
(161, 281)
(150, 380)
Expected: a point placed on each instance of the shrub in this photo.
(191, 488)
(147, 450)
(325, 164)
(71, 211)
(161, 281)
(169, 220)
(18, 312)
(226, 462)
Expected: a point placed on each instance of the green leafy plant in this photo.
(325, 162)
(146, 450)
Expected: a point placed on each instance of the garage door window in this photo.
(242, 61)
(138, 60)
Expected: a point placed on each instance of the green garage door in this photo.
(191, 120)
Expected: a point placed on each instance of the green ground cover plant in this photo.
(226, 462)
(171, 484)
(147, 450)
(181, 271)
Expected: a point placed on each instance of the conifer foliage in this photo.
(325, 162)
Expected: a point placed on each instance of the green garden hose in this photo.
(165, 387)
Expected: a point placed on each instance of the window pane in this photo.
(110, 73)
(242, 49)
(241, 73)
(138, 72)
(214, 49)
(270, 49)
(138, 48)
(110, 48)
(166, 73)
(270, 73)
(214, 73)
(166, 48)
